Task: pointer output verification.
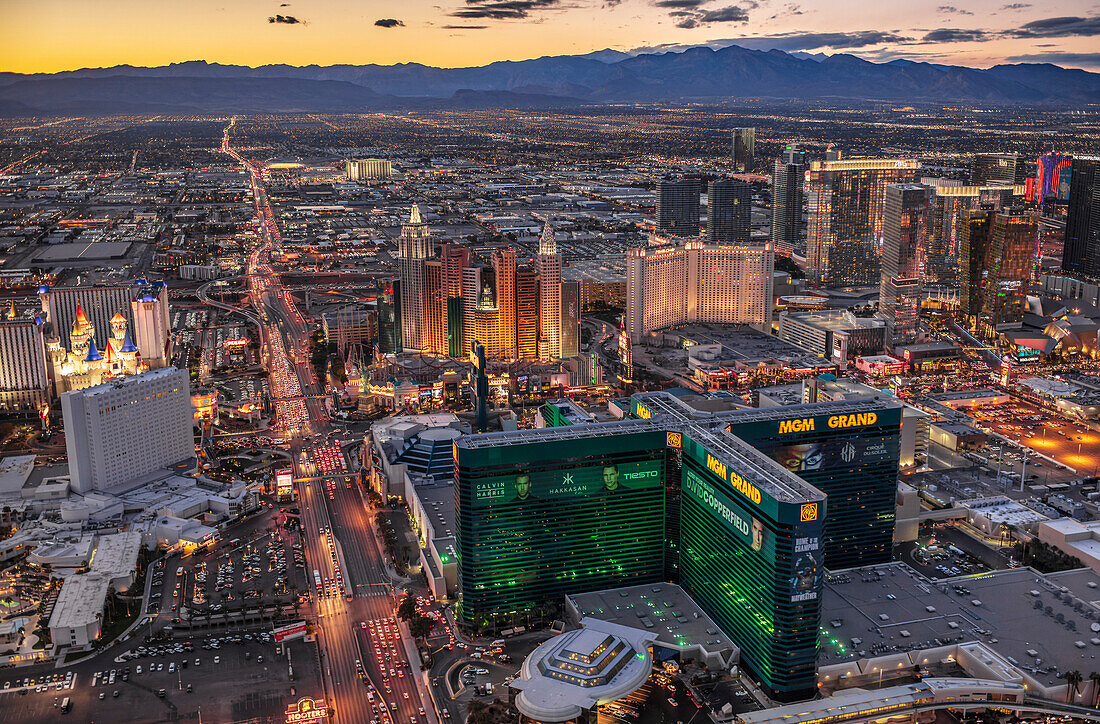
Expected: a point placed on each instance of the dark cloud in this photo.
(501, 9)
(285, 5)
(731, 14)
(389, 23)
(1016, 6)
(955, 35)
(284, 19)
(855, 39)
(680, 4)
(1084, 60)
(790, 42)
(1058, 27)
(696, 18)
(951, 9)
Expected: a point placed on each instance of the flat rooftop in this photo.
(83, 251)
(837, 320)
(116, 554)
(921, 614)
(661, 608)
(744, 343)
(438, 499)
(131, 381)
(967, 395)
(15, 470)
(80, 601)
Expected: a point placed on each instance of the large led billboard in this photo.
(530, 487)
(284, 483)
(852, 458)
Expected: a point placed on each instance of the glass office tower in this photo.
(678, 207)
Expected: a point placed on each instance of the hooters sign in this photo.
(306, 710)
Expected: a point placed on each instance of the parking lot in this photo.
(258, 570)
(227, 679)
(943, 551)
(259, 567)
(1070, 443)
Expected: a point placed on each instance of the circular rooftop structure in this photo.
(440, 434)
(797, 302)
(582, 669)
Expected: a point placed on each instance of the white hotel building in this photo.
(696, 282)
(368, 169)
(119, 431)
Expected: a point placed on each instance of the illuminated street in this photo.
(355, 604)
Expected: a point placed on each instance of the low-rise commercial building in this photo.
(836, 335)
(1080, 539)
(78, 612)
(568, 677)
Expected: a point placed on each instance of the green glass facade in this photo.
(712, 502)
(853, 460)
(756, 570)
(536, 521)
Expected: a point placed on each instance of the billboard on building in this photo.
(751, 555)
(610, 478)
(290, 631)
(284, 483)
(546, 518)
(1053, 176)
(853, 458)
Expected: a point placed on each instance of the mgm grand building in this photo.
(742, 508)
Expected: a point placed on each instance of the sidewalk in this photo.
(418, 675)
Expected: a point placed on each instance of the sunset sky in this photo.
(53, 35)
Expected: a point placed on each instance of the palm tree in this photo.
(1073, 680)
(1094, 677)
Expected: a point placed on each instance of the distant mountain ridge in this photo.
(607, 76)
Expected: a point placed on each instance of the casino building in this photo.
(736, 506)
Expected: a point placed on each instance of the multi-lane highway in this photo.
(364, 662)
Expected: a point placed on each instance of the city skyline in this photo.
(717, 365)
(978, 34)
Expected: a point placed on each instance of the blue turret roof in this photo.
(128, 344)
(93, 353)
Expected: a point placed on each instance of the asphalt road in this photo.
(368, 593)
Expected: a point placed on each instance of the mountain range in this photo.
(699, 74)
